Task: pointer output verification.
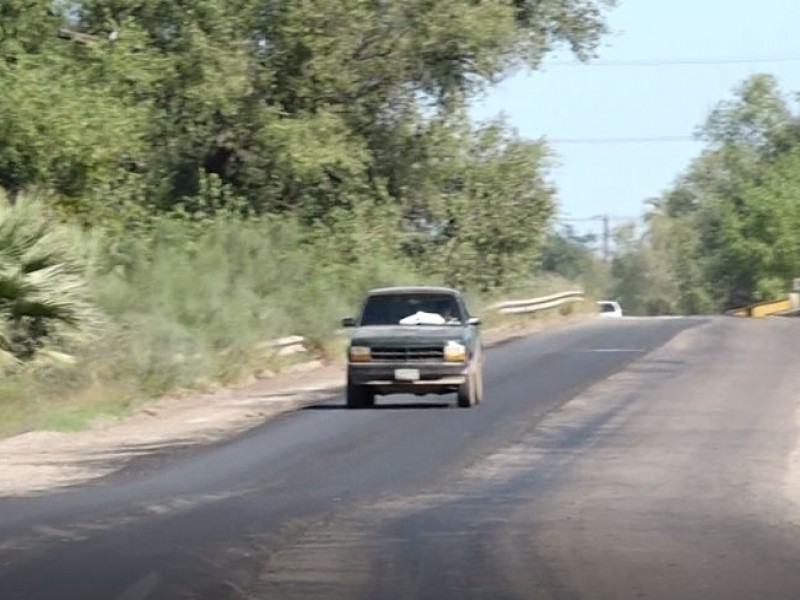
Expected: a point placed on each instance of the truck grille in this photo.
(408, 353)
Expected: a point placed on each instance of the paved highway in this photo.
(632, 458)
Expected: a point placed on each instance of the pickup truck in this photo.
(414, 340)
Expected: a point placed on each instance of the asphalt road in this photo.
(603, 464)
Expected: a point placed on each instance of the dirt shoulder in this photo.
(41, 461)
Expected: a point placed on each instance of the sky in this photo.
(582, 109)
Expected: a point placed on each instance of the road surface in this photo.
(629, 458)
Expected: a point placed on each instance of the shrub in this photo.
(44, 300)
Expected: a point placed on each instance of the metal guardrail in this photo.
(764, 309)
(533, 305)
(292, 344)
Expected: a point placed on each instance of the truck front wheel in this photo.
(360, 396)
(470, 393)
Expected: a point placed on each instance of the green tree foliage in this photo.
(305, 107)
(641, 275)
(727, 232)
(480, 221)
(572, 256)
(68, 128)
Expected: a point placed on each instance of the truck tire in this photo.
(467, 395)
(359, 396)
(478, 384)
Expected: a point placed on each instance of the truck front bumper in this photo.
(433, 378)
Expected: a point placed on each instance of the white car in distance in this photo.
(609, 308)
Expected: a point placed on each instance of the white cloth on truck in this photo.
(423, 318)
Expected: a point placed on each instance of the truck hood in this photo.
(407, 335)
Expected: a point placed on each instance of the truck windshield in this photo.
(411, 309)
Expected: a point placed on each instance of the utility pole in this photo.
(606, 219)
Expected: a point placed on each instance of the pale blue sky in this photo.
(579, 102)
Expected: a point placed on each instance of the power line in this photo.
(626, 140)
(566, 218)
(671, 62)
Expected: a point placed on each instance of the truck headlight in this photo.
(360, 354)
(455, 352)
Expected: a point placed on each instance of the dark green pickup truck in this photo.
(414, 340)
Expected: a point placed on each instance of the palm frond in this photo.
(42, 284)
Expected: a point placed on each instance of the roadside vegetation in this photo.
(180, 186)
(727, 233)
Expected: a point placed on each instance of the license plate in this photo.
(406, 374)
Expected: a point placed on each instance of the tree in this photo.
(299, 105)
(307, 109)
(568, 254)
(727, 231)
(756, 118)
(481, 219)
